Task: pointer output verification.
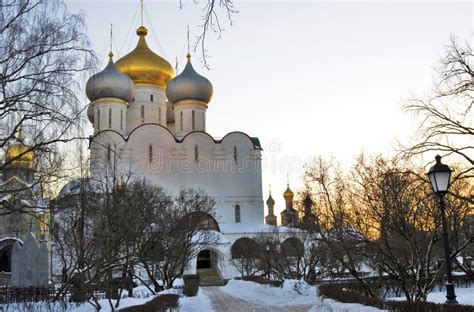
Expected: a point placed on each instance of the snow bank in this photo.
(70, 307)
(463, 296)
(141, 294)
(198, 303)
(290, 294)
(329, 305)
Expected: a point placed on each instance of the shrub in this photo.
(339, 293)
(160, 303)
(191, 285)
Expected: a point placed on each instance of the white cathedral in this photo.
(154, 126)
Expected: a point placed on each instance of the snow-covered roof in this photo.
(6, 198)
(250, 228)
(211, 236)
(75, 187)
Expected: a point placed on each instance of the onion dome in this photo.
(110, 83)
(145, 66)
(18, 154)
(288, 194)
(189, 85)
(90, 112)
(270, 201)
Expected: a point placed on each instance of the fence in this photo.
(387, 287)
(13, 295)
(10, 295)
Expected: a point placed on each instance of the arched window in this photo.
(142, 114)
(98, 119)
(292, 247)
(151, 97)
(159, 115)
(121, 119)
(6, 259)
(181, 120)
(110, 118)
(235, 153)
(196, 153)
(150, 153)
(193, 120)
(199, 219)
(237, 213)
(244, 248)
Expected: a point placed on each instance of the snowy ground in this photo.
(141, 295)
(236, 296)
(242, 296)
(463, 296)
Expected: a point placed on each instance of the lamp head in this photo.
(440, 175)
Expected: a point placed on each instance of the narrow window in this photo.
(143, 114)
(203, 121)
(235, 153)
(121, 119)
(237, 213)
(98, 119)
(159, 115)
(109, 153)
(110, 118)
(196, 153)
(193, 121)
(150, 153)
(181, 120)
(151, 97)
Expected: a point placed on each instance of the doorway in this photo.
(204, 260)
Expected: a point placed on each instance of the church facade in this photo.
(150, 124)
(153, 125)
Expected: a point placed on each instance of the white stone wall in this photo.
(227, 179)
(189, 116)
(116, 108)
(154, 111)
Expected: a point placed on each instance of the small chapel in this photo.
(23, 209)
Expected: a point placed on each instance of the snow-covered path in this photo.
(224, 302)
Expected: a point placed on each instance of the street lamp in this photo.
(440, 175)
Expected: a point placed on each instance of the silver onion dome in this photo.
(90, 112)
(189, 85)
(110, 83)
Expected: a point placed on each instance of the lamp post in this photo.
(440, 175)
(267, 248)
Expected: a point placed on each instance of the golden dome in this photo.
(142, 65)
(17, 148)
(288, 194)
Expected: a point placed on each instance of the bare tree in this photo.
(43, 52)
(446, 115)
(245, 256)
(182, 230)
(381, 219)
(338, 239)
(290, 253)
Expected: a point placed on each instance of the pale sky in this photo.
(308, 78)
